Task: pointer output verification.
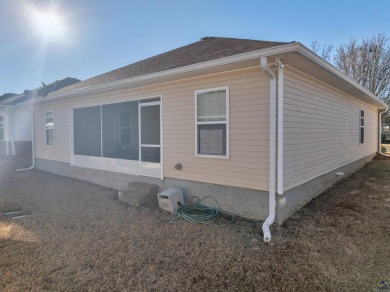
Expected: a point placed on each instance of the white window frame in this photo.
(2, 127)
(226, 122)
(362, 126)
(124, 128)
(49, 128)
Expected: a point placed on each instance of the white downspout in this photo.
(6, 137)
(32, 145)
(380, 130)
(272, 150)
(11, 130)
(280, 127)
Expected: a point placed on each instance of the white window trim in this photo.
(2, 127)
(54, 130)
(227, 122)
(360, 126)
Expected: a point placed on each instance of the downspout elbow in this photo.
(266, 225)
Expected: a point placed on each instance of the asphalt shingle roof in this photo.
(42, 91)
(207, 49)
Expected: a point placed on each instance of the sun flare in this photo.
(49, 25)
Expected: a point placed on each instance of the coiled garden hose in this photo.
(196, 212)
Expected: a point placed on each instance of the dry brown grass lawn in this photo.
(80, 238)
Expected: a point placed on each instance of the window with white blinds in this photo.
(212, 122)
(49, 128)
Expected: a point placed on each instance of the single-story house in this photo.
(16, 117)
(262, 126)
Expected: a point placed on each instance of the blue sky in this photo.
(105, 35)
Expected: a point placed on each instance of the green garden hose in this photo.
(197, 213)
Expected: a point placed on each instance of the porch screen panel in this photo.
(120, 130)
(150, 125)
(87, 131)
(150, 134)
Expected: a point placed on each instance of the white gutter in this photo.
(282, 49)
(272, 150)
(32, 146)
(280, 126)
(273, 51)
(352, 83)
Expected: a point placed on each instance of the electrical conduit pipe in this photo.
(272, 150)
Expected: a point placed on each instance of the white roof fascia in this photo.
(11, 98)
(282, 49)
(308, 53)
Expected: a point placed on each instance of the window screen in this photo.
(120, 130)
(107, 131)
(87, 131)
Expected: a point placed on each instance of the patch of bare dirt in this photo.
(80, 238)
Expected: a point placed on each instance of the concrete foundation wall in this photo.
(247, 203)
(296, 198)
(23, 150)
(3, 148)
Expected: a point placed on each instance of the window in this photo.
(212, 122)
(49, 126)
(361, 127)
(1, 128)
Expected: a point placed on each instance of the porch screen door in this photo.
(150, 147)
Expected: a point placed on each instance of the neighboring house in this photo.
(16, 117)
(262, 126)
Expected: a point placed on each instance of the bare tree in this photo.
(368, 63)
(322, 50)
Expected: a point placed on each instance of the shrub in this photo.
(383, 149)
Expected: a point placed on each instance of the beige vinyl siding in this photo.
(61, 150)
(247, 166)
(321, 126)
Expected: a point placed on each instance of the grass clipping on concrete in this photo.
(80, 237)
